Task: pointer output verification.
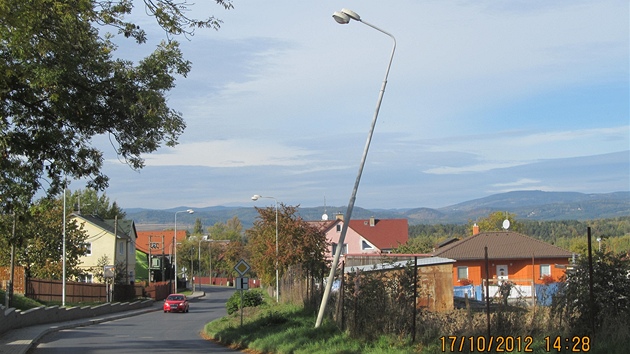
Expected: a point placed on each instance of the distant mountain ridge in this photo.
(527, 205)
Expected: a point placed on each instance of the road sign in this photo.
(108, 271)
(242, 283)
(241, 267)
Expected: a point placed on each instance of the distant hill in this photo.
(527, 205)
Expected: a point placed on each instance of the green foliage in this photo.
(610, 308)
(61, 85)
(39, 242)
(494, 222)
(286, 328)
(89, 202)
(251, 298)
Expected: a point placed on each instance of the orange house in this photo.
(511, 256)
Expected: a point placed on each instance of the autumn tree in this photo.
(298, 243)
(494, 222)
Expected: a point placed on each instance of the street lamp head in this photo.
(255, 197)
(190, 211)
(344, 16)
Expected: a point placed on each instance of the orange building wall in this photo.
(517, 269)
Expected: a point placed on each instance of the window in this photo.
(86, 278)
(121, 248)
(88, 248)
(462, 273)
(366, 246)
(132, 247)
(338, 227)
(545, 269)
(344, 250)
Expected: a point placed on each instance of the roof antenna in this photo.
(325, 216)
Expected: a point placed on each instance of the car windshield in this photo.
(177, 298)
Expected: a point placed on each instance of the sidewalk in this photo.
(19, 341)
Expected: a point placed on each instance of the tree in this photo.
(89, 202)
(61, 85)
(610, 309)
(198, 228)
(416, 245)
(232, 230)
(298, 243)
(40, 239)
(494, 222)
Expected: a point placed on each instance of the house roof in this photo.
(385, 234)
(501, 245)
(421, 262)
(142, 244)
(124, 228)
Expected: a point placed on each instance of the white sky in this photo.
(483, 97)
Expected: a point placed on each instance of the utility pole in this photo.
(150, 260)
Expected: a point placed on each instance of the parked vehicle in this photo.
(176, 303)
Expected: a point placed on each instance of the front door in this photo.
(502, 272)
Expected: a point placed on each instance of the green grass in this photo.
(21, 302)
(273, 328)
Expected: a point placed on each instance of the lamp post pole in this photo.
(189, 211)
(255, 198)
(343, 17)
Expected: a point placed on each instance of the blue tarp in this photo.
(462, 291)
(544, 293)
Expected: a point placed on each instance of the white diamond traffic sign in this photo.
(241, 267)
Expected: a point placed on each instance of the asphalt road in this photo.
(155, 332)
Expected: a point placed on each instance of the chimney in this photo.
(339, 216)
(475, 229)
(372, 221)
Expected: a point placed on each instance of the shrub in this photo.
(251, 298)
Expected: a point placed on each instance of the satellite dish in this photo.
(325, 217)
(506, 224)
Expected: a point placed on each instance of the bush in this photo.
(251, 298)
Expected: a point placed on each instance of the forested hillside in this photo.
(614, 234)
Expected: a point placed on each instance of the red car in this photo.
(176, 303)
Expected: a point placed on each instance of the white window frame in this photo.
(460, 271)
(545, 269)
(121, 247)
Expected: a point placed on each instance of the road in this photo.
(155, 332)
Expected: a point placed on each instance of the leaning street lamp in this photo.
(189, 211)
(343, 17)
(255, 198)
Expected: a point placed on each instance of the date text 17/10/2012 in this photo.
(481, 344)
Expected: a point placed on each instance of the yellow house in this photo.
(111, 240)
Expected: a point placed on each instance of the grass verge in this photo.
(284, 328)
(21, 302)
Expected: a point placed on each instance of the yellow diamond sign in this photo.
(241, 267)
